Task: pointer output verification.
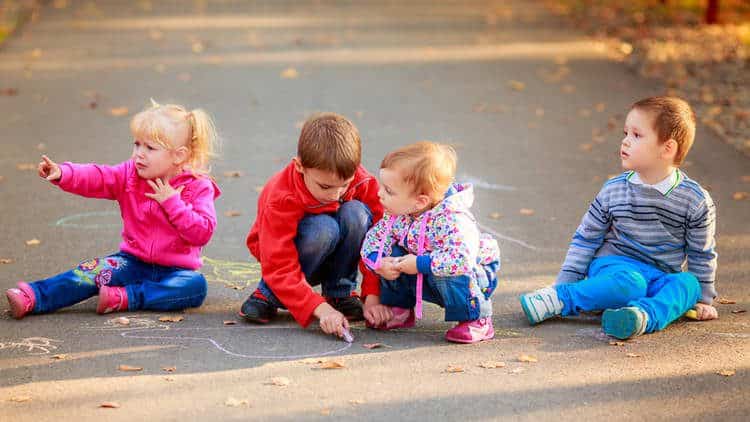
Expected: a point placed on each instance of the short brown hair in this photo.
(673, 119)
(427, 166)
(330, 142)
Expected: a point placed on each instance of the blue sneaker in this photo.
(541, 304)
(624, 323)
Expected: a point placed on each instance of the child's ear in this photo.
(669, 149)
(181, 154)
(298, 165)
(423, 201)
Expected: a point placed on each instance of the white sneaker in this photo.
(541, 304)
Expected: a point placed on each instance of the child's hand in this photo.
(407, 264)
(388, 269)
(331, 320)
(162, 190)
(48, 169)
(375, 313)
(706, 312)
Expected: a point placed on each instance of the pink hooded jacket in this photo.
(170, 234)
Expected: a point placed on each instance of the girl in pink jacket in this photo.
(166, 200)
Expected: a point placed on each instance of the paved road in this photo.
(527, 104)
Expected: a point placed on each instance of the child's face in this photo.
(154, 161)
(397, 196)
(325, 186)
(640, 149)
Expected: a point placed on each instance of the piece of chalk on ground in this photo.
(692, 314)
(348, 337)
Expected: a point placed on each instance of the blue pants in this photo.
(328, 247)
(462, 298)
(617, 281)
(149, 286)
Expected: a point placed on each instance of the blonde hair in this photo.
(172, 126)
(429, 167)
(330, 142)
(673, 119)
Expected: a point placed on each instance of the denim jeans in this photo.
(149, 286)
(617, 281)
(462, 298)
(328, 249)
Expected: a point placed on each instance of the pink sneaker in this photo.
(402, 318)
(112, 299)
(471, 331)
(21, 300)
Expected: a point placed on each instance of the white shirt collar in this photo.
(664, 187)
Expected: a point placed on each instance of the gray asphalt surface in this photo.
(526, 101)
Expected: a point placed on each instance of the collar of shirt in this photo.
(664, 187)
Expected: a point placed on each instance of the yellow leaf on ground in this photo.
(332, 364)
(233, 402)
(20, 399)
(452, 369)
(633, 355)
(198, 47)
(26, 166)
(258, 188)
(492, 364)
(59, 357)
(6, 261)
(726, 372)
(740, 196)
(110, 405)
(289, 73)
(119, 111)
(616, 343)
(495, 215)
(526, 211)
(517, 85)
(128, 368)
(586, 147)
(33, 242)
(233, 213)
(600, 107)
(169, 368)
(356, 402)
(528, 359)
(279, 381)
(724, 301)
(230, 322)
(171, 318)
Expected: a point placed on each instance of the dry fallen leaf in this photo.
(233, 173)
(586, 147)
(171, 318)
(740, 196)
(633, 355)
(452, 369)
(233, 213)
(528, 359)
(170, 379)
(724, 301)
(169, 368)
(517, 85)
(495, 215)
(373, 345)
(232, 402)
(119, 111)
(230, 322)
(258, 189)
(726, 372)
(198, 47)
(356, 402)
(616, 343)
(20, 399)
(331, 364)
(33, 242)
(289, 73)
(6, 261)
(110, 405)
(526, 211)
(600, 107)
(739, 311)
(26, 166)
(128, 368)
(59, 357)
(279, 381)
(122, 320)
(492, 364)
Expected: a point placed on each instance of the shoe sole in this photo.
(255, 320)
(15, 304)
(489, 336)
(526, 310)
(619, 323)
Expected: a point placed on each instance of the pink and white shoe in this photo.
(112, 299)
(471, 331)
(402, 318)
(21, 299)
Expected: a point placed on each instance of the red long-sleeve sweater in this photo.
(284, 201)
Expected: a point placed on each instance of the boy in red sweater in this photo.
(312, 218)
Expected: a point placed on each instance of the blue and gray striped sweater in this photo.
(638, 221)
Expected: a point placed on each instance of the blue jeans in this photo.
(462, 298)
(149, 286)
(328, 248)
(617, 281)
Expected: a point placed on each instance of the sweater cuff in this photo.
(708, 292)
(424, 264)
(66, 171)
(372, 257)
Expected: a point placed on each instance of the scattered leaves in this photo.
(20, 399)
(453, 369)
(119, 111)
(169, 368)
(633, 355)
(33, 242)
(171, 318)
(128, 368)
(331, 364)
(289, 73)
(526, 211)
(6, 261)
(233, 173)
(726, 372)
(233, 402)
(492, 364)
(528, 359)
(230, 322)
(740, 196)
(110, 405)
(233, 213)
(724, 301)
(279, 381)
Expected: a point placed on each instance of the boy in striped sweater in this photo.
(626, 256)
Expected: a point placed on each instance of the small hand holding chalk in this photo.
(348, 337)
